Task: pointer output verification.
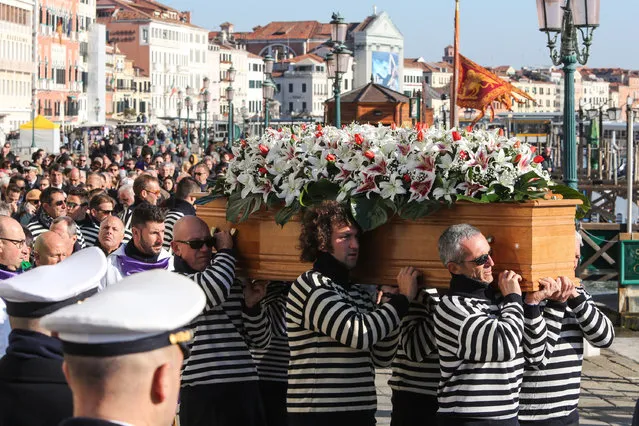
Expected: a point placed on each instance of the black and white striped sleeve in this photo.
(595, 325)
(257, 327)
(217, 278)
(542, 329)
(322, 309)
(169, 223)
(479, 336)
(418, 327)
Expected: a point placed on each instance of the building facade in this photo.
(63, 54)
(16, 63)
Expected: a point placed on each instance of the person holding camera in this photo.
(219, 380)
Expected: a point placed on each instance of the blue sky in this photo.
(506, 32)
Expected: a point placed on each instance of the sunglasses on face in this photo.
(36, 202)
(197, 244)
(59, 203)
(481, 260)
(106, 211)
(74, 205)
(201, 174)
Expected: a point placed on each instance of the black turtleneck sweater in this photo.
(336, 335)
(482, 340)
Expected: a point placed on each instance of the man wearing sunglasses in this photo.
(483, 335)
(219, 381)
(180, 205)
(100, 207)
(144, 251)
(146, 189)
(53, 204)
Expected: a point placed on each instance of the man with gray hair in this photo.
(483, 336)
(66, 228)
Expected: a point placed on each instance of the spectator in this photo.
(49, 248)
(111, 234)
(66, 228)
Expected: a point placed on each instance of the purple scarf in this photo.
(129, 265)
(5, 275)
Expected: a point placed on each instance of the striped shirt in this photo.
(177, 209)
(90, 231)
(224, 331)
(336, 335)
(416, 365)
(37, 228)
(550, 390)
(272, 361)
(480, 337)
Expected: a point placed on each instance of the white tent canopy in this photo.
(45, 133)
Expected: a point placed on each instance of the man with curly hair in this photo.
(335, 331)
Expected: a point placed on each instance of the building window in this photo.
(290, 88)
(145, 35)
(290, 107)
(303, 87)
(303, 106)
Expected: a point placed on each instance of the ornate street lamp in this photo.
(564, 17)
(630, 168)
(188, 102)
(268, 88)
(200, 111)
(97, 109)
(180, 103)
(206, 98)
(230, 92)
(338, 61)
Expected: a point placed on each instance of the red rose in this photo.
(319, 134)
(420, 136)
(533, 149)
(456, 136)
(331, 157)
(303, 126)
(517, 158)
(262, 170)
(369, 154)
(418, 126)
(293, 137)
(263, 149)
(501, 132)
(469, 128)
(538, 159)
(243, 143)
(406, 177)
(359, 139)
(463, 155)
(319, 128)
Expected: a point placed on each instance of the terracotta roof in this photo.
(132, 10)
(254, 56)
(437, 66)
(414, 63)
(373, 93)
(297, 30)
(300, 58)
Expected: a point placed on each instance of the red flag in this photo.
(479, 88)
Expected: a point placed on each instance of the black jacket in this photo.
(33, 390)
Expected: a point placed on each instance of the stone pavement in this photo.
(609, 385)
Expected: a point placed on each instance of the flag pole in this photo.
(454, 119)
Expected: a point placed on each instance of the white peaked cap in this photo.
(144, 311)
(45, 289)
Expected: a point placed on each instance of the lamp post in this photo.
(179, 108)
(206, 98)
(338, 61)
(555, 20)
(188, 102)
(629, 160)
(230, 92)
(268, 88)
(97, 109)
(416, 110)
(200, 111)
(244, 113)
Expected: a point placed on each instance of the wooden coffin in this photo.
(534, 238)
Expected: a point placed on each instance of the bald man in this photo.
(225, 391)
(49, 249)
(111, 234)
(13, 251)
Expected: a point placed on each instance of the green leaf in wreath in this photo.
(316, 192)
(238, 209)
(569, 193)
(286, 213)
(414, 210)
(369, 213)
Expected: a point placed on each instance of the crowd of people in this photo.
(165, 316)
